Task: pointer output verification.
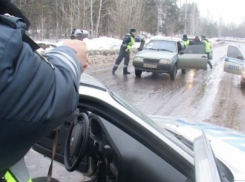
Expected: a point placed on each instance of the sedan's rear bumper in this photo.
(160, 68)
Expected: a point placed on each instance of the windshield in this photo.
(146, 119)
(161, 45)
(131, 108)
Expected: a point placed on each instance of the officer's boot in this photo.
(114, 70)
(210, 64)
(125, 71)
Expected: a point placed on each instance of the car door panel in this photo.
(193, 57)
(234, 61)
(193, 61)
(233, 66)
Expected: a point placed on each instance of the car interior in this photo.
(110, 153)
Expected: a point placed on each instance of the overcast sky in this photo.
(228, 10)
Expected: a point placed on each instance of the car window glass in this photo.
(161, 45)
(195, 49)
(131, 108)
(234, 52)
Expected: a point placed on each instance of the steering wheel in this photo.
(76, 146)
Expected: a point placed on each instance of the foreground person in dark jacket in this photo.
(37, 94)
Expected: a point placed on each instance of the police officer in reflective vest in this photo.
(208, 49)
(126, 46)
(186, 40)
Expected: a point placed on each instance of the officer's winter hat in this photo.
(132, 30)
(203, 37)
(7, 7)
(185, 36)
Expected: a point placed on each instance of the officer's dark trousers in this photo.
(122, 54)
(209, 61)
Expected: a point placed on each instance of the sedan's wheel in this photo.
(242, 84)
(173, 73)
(183, 71)
(138, 73)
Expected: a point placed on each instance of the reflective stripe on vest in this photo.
(18, 173)
(207, 46)
(131, 43)
(186, 42)
(9, 178)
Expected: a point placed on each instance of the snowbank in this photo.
(103, 43)
(110, 46)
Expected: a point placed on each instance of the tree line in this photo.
(55, 19)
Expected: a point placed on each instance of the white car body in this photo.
(228, 145)
(234, 62)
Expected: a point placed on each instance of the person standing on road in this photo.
(208, 49)
(125, 49)
(186, 40)
(38, 92)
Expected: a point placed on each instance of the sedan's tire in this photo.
(138, 73)
(242, 84)
(173, 72)
(183, 71)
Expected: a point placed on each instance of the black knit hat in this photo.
(185, 36)
(7, 7)
(132, 30)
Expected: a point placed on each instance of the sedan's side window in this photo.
(234, 52)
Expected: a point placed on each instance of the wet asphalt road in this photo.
(200, 95)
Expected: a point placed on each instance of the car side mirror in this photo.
(240, 57)
(181, 52)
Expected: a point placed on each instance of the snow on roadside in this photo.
(108, 43)
(103, 43)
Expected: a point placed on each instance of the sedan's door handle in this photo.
(204, 56)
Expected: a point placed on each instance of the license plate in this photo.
(150, 65)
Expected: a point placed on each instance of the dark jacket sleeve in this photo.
(126, 40)
(30, 89)
(34, 97)
(138, 39)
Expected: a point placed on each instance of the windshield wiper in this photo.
(182, 139)
(164, 50)
(152, 49)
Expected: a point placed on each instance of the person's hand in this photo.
(81, 49)
(126, 50)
